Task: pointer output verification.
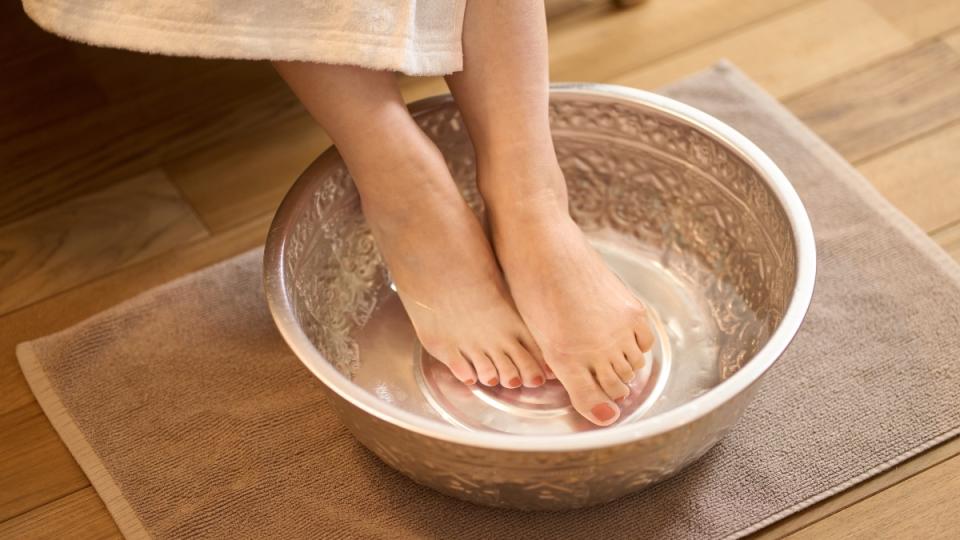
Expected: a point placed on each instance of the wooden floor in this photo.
(121, 171)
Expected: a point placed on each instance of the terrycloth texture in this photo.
(192, 418)
(417, 37)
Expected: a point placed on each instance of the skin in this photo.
(420, 223)
(535, 299)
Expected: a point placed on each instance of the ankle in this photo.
(522, 186)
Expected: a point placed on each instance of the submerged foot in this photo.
(446, 273)
(591, 329)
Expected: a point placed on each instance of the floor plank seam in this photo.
(872, 472)
(51, 501)
(725, 33)
(862, 68)
(907, 141)
(115, 271)
(186, 199)
(942, 228)
(875, 493)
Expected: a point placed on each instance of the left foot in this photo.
(590, 327)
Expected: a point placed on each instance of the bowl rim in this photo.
(615, 435)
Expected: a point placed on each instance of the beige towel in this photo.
(417, 37)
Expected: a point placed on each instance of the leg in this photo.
(421, 224)
(591, 329)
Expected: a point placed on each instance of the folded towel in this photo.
(416, 37)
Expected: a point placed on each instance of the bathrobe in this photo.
(416, 37)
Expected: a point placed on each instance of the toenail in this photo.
(515, 382)
(603, 412)
(469, 381)
(492, 381)
(537, 380)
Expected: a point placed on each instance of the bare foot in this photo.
(590, 327)
(446, 273)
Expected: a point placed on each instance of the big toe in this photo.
(588, 398)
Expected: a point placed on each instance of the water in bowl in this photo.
(682, 365)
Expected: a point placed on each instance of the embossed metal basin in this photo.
(693, 216)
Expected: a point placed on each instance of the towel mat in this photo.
(192, 418)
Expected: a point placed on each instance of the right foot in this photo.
(445, 271)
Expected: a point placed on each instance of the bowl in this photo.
(693, 216)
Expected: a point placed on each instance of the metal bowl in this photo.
(696, 218)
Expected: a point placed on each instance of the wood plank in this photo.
(79, 516)
(864, 112)
(36, 467)
(31, 98)
(98, 148)
(924, 461)
(123, 75)
(247, 176)
(20, 38)
(617, 41)
(953, 40)
(78, 303)
(920, 18)
(924, 506)
(920, 177)
(414, 88)
(949, 239)
(791, 52)
(92, 236)
(567, 8)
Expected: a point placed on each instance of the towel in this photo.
(416, 37)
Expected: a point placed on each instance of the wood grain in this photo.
(615, 42)
(91, 236)
(36, 467)
(95, 149)
(920, 178)
(949, 239)
(128, 76)
(920, 18)
(953, 40)
(925, 502)
(790, 52)
(78, 516)
(31, 99)
(863, 491)
(867, 111)
(247, 176)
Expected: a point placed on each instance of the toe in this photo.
(624, 367)
(460, 367)
(530, 370)
(509, 374)
(643, 335)
(610, 381)
(633, 353)
(588, 398)
(486, 372)
(528, 343)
